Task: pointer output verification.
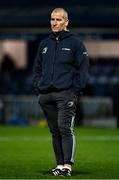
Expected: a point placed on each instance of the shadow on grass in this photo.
(78, 173)
(45, 172)
(74, 173)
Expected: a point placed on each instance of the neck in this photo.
(57, 34)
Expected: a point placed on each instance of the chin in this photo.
(55, 31)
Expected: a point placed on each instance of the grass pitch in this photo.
(26, 153)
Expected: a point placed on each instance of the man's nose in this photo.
(55, 22)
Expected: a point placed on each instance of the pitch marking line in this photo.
(81, 138)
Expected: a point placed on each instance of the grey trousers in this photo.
(59, 109)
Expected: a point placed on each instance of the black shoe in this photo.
(66, 172)
(56, 172)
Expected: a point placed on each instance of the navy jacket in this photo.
(61, 64)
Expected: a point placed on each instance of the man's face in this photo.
(58, 22)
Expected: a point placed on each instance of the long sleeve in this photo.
(37, 71)
(82, 68)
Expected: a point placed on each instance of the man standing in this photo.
(60, 74)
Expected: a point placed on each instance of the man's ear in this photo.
(67, 22)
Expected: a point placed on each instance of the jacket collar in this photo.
(60, 35)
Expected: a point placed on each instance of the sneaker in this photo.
(66, 172)
(56, 172)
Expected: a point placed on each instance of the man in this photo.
(60, 74)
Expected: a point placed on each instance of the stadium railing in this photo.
(24, 110)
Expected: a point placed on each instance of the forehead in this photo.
(58, 14)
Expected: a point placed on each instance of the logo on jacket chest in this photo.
(66, 49)
(45, 49)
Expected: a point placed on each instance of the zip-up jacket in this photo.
(61, 64)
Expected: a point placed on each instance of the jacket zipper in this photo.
(53, 62)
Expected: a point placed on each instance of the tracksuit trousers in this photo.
(59, 109)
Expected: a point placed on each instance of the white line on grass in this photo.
(25, 138)
(100, 138)
(38, 138)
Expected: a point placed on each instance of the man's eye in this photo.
(52, 19)
(58, 19)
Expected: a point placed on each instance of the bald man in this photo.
(60, 74)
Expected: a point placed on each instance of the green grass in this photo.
(26, 153)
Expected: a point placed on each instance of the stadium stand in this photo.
(82, 13)
(28, 20)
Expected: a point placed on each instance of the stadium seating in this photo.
(103, 80)
(82, 13)
(104, 77)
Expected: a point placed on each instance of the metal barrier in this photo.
(21, 108)
(1, 111)
(98, 112)
(26, 110)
